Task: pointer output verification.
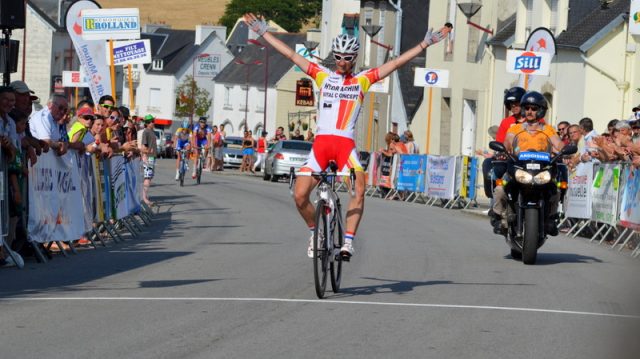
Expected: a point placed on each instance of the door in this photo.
(468, 128)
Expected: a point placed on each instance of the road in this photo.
(223, 273)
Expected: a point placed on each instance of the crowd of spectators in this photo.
(620, 141)
(103, 130)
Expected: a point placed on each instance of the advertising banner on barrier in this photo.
(86, 188)
(468, 177)
(578, 196)
(55, 213)
(118, 182)
(441, 176)
(107, 190)
(605, 191)
(372, 170)
(630, 204)
(98, 199)
(411, 173)
(384, 175)
(131, 186)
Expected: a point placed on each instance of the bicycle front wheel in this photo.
(337, 236)
(320, 253)
(199, 174)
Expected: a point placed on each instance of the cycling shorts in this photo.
(180, 144)
(328, 148)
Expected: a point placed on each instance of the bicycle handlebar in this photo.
(352, 176)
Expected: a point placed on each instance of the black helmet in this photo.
(535, 98)
(513, 94)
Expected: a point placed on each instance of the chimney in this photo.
(203, 31)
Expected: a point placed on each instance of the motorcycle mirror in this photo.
(497, 146)
(569, 149)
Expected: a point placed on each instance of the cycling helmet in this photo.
(185, 124)
(535, 98)
(513, 94)
(202, 119)
(345, 44)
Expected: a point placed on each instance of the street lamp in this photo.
(246, 99)
(470, 8)
(194, 84)
(266, 77)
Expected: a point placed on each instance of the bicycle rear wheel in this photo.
(320, 253)
(199, 174)
(337, 236)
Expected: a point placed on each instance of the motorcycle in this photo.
(530, 184)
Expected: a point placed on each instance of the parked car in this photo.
(160, 142)
(284, 155)
(232, 152)
(169, 150)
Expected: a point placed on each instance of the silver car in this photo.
(284, 155)
(232, 152)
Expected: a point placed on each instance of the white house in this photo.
(176, 54)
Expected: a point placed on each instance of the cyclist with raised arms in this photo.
(341, 96)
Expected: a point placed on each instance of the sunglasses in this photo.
(114, 118)
(107, 106)
(531, 108)
(347, 58)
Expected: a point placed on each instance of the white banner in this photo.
(528, 62)
(441, 176)
(55, 209)
(74, 79)
(85, 170)
(207, 65)
(431, 78)
(130, 52)
(111, 24)
(630, 204)
(118, 184)
(634, 17)
(605, 190)
(132, 169)
(578, 197)
(90, 53)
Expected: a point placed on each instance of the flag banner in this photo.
(55, 197)
(411, 173)
(90, 52)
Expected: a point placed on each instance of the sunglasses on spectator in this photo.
(531, 108)
(114, 118)
(347, 58)
(107, 106)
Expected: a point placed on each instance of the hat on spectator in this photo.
(637, 108)
(85, 111)
(148, 118)
(22, 88)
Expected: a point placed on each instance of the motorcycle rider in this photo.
(531, 135)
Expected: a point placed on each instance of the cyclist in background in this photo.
(182, 141)
(341, 96)
(200, 137)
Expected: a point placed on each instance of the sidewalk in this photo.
(480, 210)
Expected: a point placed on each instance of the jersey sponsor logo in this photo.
(341, 92)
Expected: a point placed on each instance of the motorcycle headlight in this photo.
(523, 177)
(542, 178)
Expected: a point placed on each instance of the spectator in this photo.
(611, 125)
(310, 136)
(586, 124)
(563, 131)
(8, 135)
(635, 128)
(105, 104)
(24, 103)
(279, 136)
(49, 124)
(297, 135)
(149, 153)
(261, 151)
(218, 146)
(412, 146)
(636, 113)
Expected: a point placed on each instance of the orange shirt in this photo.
(538, 140)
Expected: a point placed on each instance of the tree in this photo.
(290, 14)
(191, 99)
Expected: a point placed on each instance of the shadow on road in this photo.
(559, 258)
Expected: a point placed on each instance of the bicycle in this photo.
(200, 163)
(183, 165)
(328, 236)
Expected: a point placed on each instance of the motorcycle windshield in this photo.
(532, 142)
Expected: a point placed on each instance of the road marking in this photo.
(323, 301)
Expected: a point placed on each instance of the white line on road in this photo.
(324, 301)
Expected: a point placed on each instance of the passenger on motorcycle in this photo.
(533, 135)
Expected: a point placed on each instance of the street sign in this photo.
(110, 24)
(431, 78)
(131, 52)
(304, 93)
(634, 17)
(207, 65)
(74, 79)
(528, 62)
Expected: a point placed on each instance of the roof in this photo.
(279, 65)
(586, 18)
(48, 10)
(177, 47)
(594, 26)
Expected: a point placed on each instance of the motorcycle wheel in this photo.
(530, 241)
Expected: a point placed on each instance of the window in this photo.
(529, 23)
(227, 98)
(553, 22)
(157, 65)
(473, 43)
(368, 13)
(260, 101)
(155, 100)
(381, 52)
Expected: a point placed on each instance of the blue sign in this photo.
(528, 63)
(534, 156)
(411, 173)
